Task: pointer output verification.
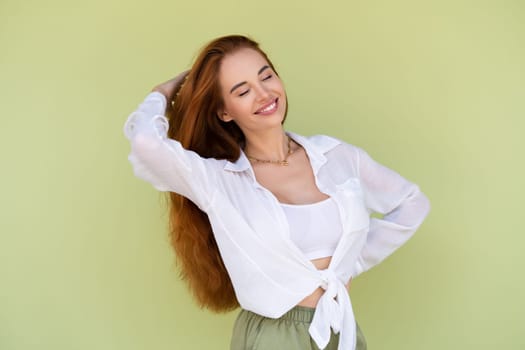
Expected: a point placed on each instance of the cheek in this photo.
(279, 86)
(240, 107)
(229, 104)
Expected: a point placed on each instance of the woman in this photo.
(266, 219)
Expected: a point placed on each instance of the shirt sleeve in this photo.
(403, 205)
(162, 161)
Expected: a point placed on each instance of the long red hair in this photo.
(193, 121)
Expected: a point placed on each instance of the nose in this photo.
(263, 93)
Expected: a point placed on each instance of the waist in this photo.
(299, 314)
(312, 300)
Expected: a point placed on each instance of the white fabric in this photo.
(270, 275)
(314, 228)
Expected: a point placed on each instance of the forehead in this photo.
(242, 65)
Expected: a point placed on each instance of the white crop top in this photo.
(314, 228)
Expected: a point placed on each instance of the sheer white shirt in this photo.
(269, 273)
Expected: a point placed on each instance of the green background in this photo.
(432, 89)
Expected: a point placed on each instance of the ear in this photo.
(224, 116)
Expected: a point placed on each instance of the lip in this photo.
(261, 111)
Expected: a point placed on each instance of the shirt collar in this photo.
(241, 164)
(315, 148)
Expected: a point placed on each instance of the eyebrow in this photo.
(242, 83)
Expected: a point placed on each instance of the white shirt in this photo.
(270, 275)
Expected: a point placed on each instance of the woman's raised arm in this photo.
(162, 161)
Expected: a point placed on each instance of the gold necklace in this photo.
(283, 162)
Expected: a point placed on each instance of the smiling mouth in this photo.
(269, 108)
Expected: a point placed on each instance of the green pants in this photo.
(289, 332)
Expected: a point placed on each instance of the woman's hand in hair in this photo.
(167, 88)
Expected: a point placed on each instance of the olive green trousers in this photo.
(289, 332)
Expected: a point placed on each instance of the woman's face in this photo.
(253, 94)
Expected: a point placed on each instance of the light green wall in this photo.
(432, 89)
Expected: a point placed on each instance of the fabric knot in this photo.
(333, 311)
(328, 277)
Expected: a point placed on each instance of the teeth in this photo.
(269, 108)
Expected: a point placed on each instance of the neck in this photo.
(268, 145)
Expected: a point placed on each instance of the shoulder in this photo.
(326, 143)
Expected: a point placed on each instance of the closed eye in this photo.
(244, 93)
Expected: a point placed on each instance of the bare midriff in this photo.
(313, 299)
